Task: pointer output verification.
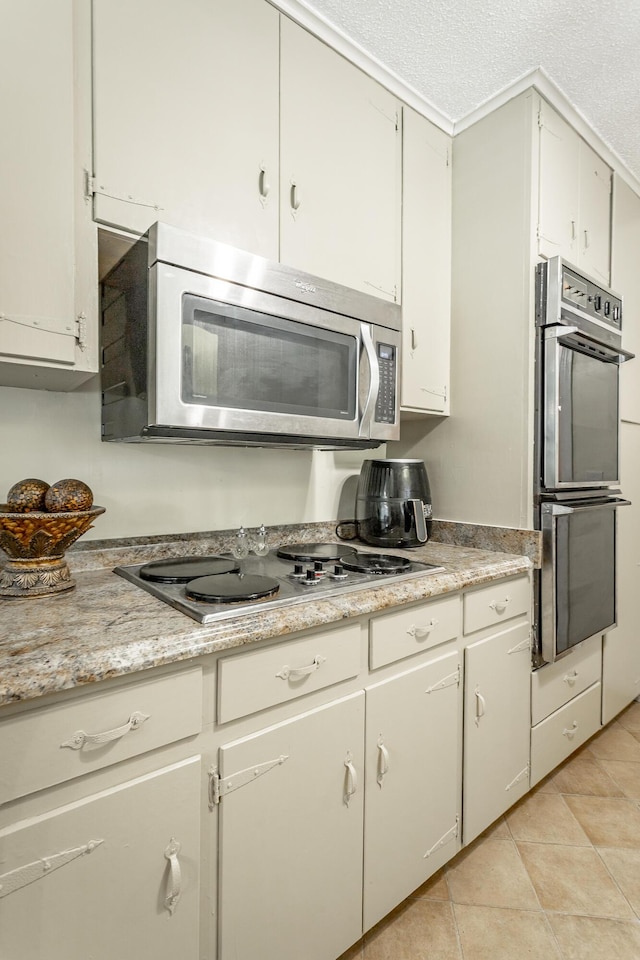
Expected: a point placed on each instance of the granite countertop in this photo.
(107, 627)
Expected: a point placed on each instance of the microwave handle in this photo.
(564, 333)
(374, 381)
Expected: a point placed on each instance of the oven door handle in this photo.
(565, 335)
(559, 509)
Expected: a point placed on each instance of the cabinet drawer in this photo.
(251, 681)
(499, 601)
(556, 683)
(555, 739)
(49, 745)
(401, 634)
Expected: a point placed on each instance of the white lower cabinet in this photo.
(496, 726)
(291, 815)
(113, 875)
(412, 791)
(558, 735)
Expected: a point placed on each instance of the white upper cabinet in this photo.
(426, 265)
(233, 122)
(574, 212)
(625, 280)
(186, 118)
(340, 168)
(42, 339)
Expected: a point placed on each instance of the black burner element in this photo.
(307, 552)
(379, 563)
(232, 588)
(183, 569)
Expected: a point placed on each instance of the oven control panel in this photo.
(591, 298)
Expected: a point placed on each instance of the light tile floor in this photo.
(557, 878)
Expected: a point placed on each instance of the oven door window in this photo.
(587, 412)
(585, 574)
(237, 358)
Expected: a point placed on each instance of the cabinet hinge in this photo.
(37, 869)
(523, 775)
(221, 786)
(65, 328)
(453, 679)
(446, 838)
(522, 646)
(92, 188)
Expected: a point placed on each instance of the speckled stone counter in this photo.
(107, 627)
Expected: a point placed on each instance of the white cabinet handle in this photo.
(500, 605)
(480, 705)
(419, 633)
(569, 732)
(80, 738)
(586, 239)
(573, 229)
(295, 197)
(570, 678)
(414, 340)
(264, 187)
(174, 886)
(352, 778)
(383, 762)
(297, 673)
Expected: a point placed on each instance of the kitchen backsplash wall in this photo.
(166, 488)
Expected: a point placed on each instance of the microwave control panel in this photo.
(386, 402)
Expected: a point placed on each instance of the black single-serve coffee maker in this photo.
(393, 505)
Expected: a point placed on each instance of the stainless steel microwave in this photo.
(203, 342)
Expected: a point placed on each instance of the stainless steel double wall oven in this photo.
(578, 356)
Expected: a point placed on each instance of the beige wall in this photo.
(167, 488)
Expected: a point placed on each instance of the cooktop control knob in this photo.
(339, 572)
(318, 566)
(298, 572)
(311, 577)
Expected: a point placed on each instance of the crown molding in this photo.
(324, 30)
(540, 81)
(315, 23)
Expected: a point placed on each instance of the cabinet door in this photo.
(340, 168)
(412, 797)
(621, 650)
(426, 264)
(497, 725)
(625, 278)
(291, 837)
(559, 189)
(36, 184)
(186, 118)
(94, 878)
(594, 241)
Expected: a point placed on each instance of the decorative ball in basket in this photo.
(37, 524)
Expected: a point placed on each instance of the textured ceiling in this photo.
(459, 53)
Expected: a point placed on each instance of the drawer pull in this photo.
(569, 732)
(264, 186)
(570, 678)
(480, 706)
(500, 605)
(419, 633)
(174, 887)
(383, 762)
(352, 778)
(80, 738)
(29, 872)
(298, 673)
